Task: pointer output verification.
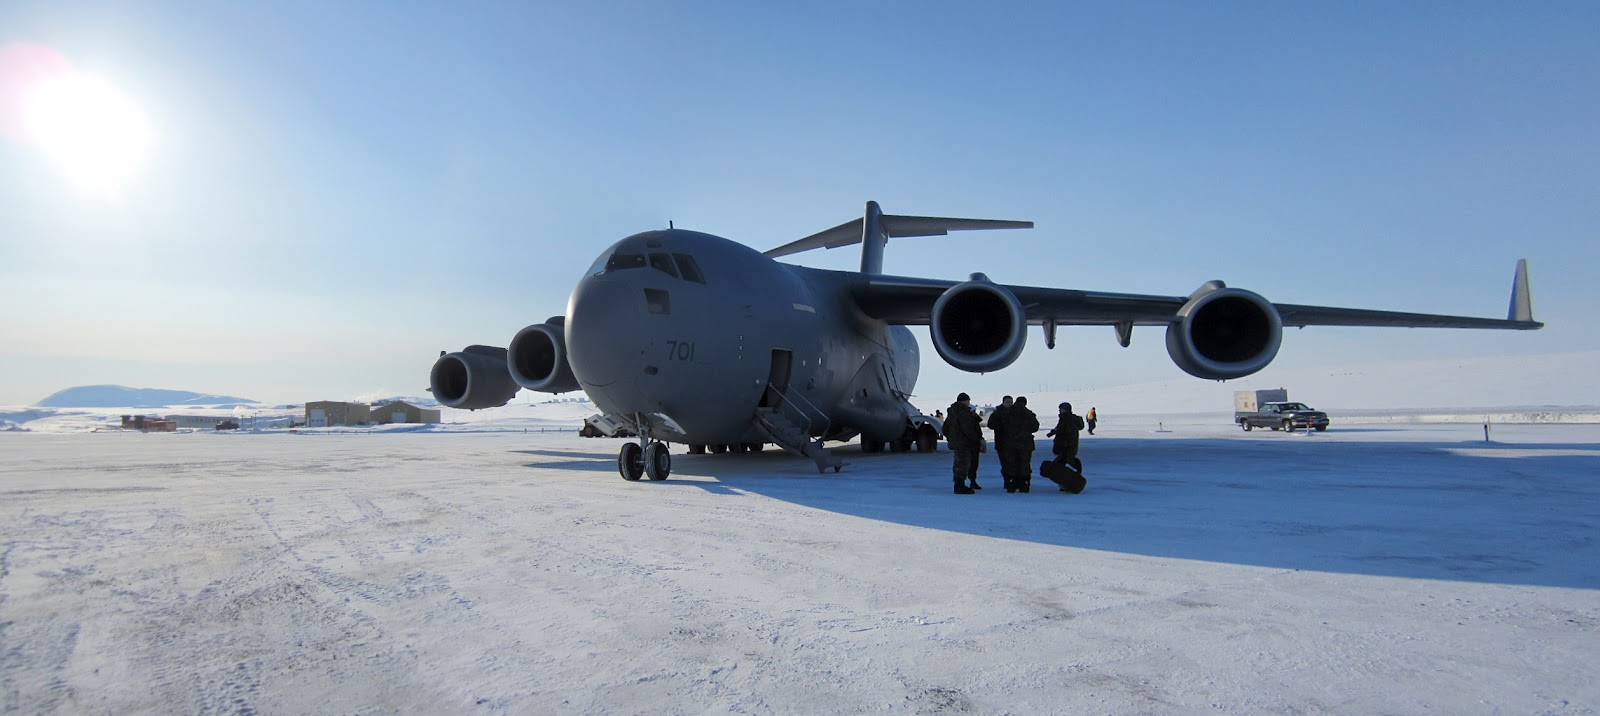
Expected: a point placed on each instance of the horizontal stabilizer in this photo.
(849, 233)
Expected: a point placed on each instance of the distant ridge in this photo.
(118, 396)
(413, 400)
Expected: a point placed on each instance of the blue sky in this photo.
(334, 192)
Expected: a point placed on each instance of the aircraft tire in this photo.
(901, 445)
(871, 445)
(719, 449)
(755, 447)
(630, 462)
(657, 461)
(697, 449)
(927, 441)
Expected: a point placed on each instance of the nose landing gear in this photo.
(646, 458)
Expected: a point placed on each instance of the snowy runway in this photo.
(1368, 569)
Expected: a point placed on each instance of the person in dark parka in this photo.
(963, 431)
(1066, 434)
(1017, 451)
(997, 423)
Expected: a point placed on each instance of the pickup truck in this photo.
(1282, 416)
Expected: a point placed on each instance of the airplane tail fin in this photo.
(1521, 296)
(875, 228)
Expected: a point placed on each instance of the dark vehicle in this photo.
(1283, 416)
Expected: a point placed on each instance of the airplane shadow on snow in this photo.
(568, 460)
(1467, 510)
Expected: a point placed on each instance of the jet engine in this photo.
(979, 326)
(472, 379)
(1224, 333)
(538, 357)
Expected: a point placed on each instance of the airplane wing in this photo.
(910, 301)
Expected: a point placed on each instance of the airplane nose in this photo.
(599, 318)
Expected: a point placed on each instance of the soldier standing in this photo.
(964, 433)
(1090, 419)
(1066, 435)
(997, 423)
(1020, 426)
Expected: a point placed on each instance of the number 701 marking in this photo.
(680, 350)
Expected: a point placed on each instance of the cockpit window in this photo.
(689, 269)
(675, 265)
(663, 263)
(621, 262)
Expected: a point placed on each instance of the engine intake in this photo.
(1224, 333)
(979, 326)
(472, 379)
(538, 358)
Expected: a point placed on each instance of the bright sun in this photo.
(95, 133)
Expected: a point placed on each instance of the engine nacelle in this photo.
(1224, 333)
(538, 358)
(979, 326)
(472, 379)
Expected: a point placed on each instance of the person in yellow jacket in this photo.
(1089, 420)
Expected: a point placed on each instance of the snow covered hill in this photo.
(118, 396)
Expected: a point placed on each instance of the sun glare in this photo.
(92, 131)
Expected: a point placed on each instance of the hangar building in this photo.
(400, 411)
(326, 413)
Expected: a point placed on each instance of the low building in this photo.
(198, 422)
(148, 423)
(400, 411)
(328, 413)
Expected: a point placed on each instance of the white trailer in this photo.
(1250, 401)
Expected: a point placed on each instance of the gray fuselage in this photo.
(693, 334)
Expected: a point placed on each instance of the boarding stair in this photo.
(787, 434)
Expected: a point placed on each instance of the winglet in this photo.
(1521, 297)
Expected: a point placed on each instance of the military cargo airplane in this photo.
(691, 338)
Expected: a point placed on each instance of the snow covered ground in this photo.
(1382, 568)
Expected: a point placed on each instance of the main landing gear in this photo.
(646, 458)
